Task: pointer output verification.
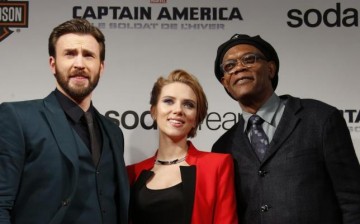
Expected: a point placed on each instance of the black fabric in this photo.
(303, 177)
(158, 206)
(76, 119)
(94, 141)
(95, 197)
(188, 176)
(74, 115)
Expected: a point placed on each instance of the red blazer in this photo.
(213, 199)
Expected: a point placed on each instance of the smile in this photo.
(176, 122)
(243, 80)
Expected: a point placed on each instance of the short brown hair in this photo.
(190, 80)
(81, 26)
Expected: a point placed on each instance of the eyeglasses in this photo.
(247, 61)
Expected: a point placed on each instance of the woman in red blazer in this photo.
(180, 184)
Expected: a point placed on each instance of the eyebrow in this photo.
(184, 100)
(83, 51)
(190, 101)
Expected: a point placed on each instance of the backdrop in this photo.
(317, 42)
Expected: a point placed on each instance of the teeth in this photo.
(175, 121)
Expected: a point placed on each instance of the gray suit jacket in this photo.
(39, 163)
(310, 173)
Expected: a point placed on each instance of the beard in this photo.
(76, 92)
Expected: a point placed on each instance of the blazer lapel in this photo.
(286, 126)
(61, 129)
(66, 142)
(116, 144)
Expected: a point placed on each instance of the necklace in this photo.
(161, 162)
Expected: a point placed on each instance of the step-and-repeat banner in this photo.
(318, 43)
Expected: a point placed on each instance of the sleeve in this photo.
(343, 166)
(225, 208)
(12, 154)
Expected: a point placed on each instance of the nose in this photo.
(79, 62)
(177, 108)
(239, 67)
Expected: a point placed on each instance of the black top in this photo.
(159, 206)
(76, 119)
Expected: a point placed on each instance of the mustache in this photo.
(79, 73)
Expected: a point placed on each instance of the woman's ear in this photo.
(153, 113)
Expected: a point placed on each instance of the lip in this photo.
(243, 80)
(80, 79)
(176, 122)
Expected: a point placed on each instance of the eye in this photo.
(228, 65)
(249, 59)
(168, 101)
(189, 104)
(88, 55)
(70, 53)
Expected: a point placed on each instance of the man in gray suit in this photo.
(298, 165)
(55, 166)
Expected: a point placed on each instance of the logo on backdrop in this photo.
(159, 16)
(336, 16)
(214, 121)
(13, 14)
(131, 120)
(352, 117)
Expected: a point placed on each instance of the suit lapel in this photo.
(66, 142)
(287, 124)
(61, 129)
(116, 144)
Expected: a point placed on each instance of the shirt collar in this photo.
(266, 112)
(71, 109)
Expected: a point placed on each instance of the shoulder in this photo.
(222, 144)
(145, 164)
(307, 103)
(211, 158)
(309, 107)
(135, 169)
(217, 157)
(22, 104)
(21, 109)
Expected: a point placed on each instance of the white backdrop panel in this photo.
(317, 42)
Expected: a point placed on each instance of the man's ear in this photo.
(225, 82)
(52, 64)
(272, 69)
(102, 67)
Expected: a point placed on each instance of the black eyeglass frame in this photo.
(242, 61)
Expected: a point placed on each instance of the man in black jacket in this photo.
(304, 168)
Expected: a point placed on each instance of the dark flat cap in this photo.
(256, 41)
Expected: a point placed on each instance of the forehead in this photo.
(178, 90)
(74, 41)
(239, 50)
